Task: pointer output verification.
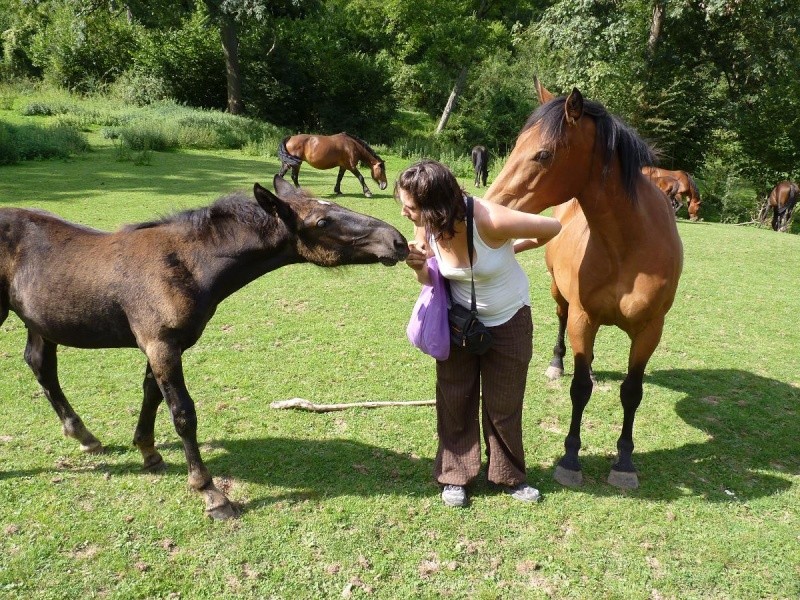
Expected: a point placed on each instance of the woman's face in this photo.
(409, 209)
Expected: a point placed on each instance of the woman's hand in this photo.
(416, 255)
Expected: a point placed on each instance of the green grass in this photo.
(344, 502)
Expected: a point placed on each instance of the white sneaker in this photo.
(524, 493)
(454, 495)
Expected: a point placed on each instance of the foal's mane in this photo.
(615, 137)
(236, 207)
(366, 146)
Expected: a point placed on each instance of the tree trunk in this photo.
(451, 101)
(656, 25)
(230, 47)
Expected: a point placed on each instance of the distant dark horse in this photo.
(782, 199)
(480, 162)
(155, 286)
(328, 151)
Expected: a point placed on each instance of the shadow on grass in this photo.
(751, 427)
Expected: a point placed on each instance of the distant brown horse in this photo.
(687, 187)
(155, 286)
(609, 266)
(671, 187)
(782, 199)
(480, 162)
(328, 151)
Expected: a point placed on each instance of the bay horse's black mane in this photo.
(616, 137)
(236, 207)
(367, 147)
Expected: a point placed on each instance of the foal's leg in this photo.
(360, 177)
(623, 473)
(581, 338)
(144, 437)
(165, 360)
(40, 355)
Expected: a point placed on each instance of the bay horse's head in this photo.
(567, 148)
(378, 171)
(329, 235)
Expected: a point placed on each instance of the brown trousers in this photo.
(499, 376)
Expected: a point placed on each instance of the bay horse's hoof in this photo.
(368, 194)
(222, 512)
(553, 373)
(568, 478)
(625, 480)
(156, 465)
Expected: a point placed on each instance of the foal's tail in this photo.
(290, 160)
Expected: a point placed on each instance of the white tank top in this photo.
(501, 286)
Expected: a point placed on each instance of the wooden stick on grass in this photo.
(303, 404)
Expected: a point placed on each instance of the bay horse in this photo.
(328, 151)
(671, 187)
(782, 199)
(687, 187)
(156, 285)
(617, 259)
(480, 162)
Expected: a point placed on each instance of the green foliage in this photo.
(28, 142)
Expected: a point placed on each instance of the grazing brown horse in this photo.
(671, 187)
(328, 151)
(687, 187)
(617, 259)
(155, 286)
(480, 162)
(782, 199)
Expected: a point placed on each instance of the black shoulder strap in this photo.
(470, 249)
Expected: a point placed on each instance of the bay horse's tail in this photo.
(290, 160)
(693, 185)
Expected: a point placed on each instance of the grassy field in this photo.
(343, 504)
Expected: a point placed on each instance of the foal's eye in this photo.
(322, 223)
(542, 156)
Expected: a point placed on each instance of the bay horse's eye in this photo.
(542, 156)
(322, 223)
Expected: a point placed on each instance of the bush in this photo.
(29, 142)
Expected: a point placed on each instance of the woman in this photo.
(433, 200)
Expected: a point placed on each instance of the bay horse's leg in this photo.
(165, 361)
(556, 368)
(623, 473)
(581, 338)
(284, 168)
(360, 177)
(40, 355)
(144, 437)
(337, 189)
(295, 173)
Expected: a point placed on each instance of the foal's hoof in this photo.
(625, 480)
(94, 447)
(553, 373)
(568, 478)
(223, 512)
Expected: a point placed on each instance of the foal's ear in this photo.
(573, 107)
(270, 202)
(282, 187)
(544, 94)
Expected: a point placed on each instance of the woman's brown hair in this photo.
(436, 193)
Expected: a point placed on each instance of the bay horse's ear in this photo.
(573, 107)
(544, 94)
